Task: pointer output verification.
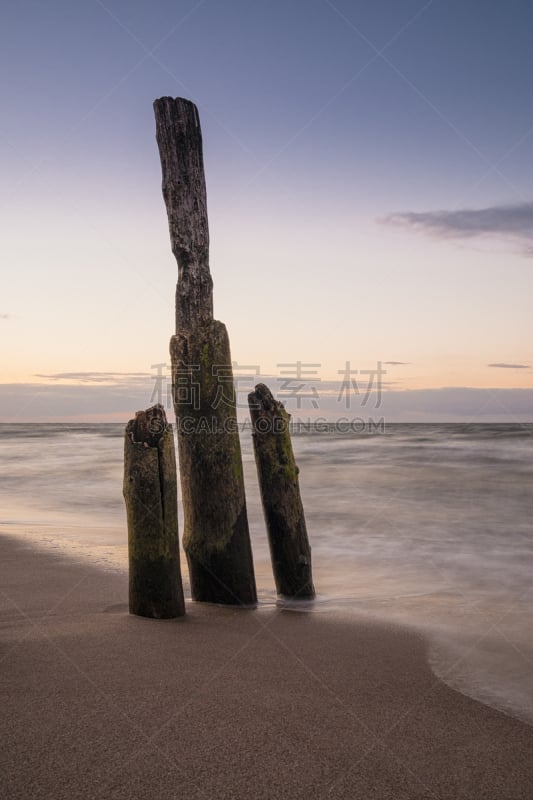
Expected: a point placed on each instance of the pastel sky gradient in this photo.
(370, 188)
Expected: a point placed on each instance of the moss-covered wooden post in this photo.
(150, 492)
(280, 495)
(216, 538)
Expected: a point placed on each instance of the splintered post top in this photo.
(179, 139)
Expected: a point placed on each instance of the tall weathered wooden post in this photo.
(150, 492)
(216, 538)
(280, 495)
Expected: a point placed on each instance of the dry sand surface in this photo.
(228, 703)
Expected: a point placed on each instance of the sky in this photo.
(369, 168)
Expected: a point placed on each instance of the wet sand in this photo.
(228, 704)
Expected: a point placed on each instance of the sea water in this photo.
(427, 525)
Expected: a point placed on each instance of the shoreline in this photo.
(459, 653)
(228, 703)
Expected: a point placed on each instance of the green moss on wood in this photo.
(215, 521)
(280, 495)
(150, 493)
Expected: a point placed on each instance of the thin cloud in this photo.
(503, 365)
(5, 316)
(397, 363)
(93, 377)
(512, 222)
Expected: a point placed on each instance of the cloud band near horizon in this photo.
(20, 403)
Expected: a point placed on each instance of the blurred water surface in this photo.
(429, 525)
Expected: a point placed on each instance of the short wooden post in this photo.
(280, 494)
(150, 492)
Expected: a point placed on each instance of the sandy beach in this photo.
(227, 703)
